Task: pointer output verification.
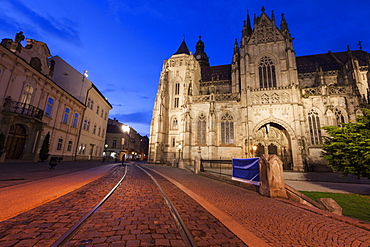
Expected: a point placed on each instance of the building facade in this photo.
(94, 119)
(32, 104)
(267, 101)
(39, 95)
(123, 142)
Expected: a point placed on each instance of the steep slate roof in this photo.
(328, 61)
(221, 72)
(183, 49)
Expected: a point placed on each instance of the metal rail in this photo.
(185, 233)
(74, 229)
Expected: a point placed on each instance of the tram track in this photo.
(186, 235)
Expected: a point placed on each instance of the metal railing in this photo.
(22, 108)
(221, 167)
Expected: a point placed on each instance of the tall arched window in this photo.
(227, 129)
(27, 94)
(201, 129)
(174, 123)
(267, 74)
(314, 124)
(339, 116)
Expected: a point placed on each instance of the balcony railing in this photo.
(22, 108)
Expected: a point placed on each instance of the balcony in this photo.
(22, 108)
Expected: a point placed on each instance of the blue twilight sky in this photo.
(122, 43)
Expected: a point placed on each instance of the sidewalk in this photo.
(278, 222)
(311, 181)
(13, 173)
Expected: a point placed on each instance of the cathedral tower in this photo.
(170, 127)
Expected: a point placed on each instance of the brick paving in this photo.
(136, 215)
(43, 225)
(278, 222)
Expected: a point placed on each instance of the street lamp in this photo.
(105, 151)
(180, 160)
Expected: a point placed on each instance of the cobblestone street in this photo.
(137, 215)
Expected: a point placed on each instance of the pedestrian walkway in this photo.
(311, 181)
(278, 222)
(13, 173)
(254, 219)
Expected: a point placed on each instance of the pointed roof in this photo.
(183, 49)
(328, 61)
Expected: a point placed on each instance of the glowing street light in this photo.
(254, 148)
(125, 128)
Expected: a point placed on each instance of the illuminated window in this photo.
(267, 74)
(27, 94)
(227, 129)
(66, 115)
(49, 107)
(201, 129)
(314, 124)
(75, 120)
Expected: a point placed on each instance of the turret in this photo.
(200, 54)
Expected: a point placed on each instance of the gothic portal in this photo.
(267, 101)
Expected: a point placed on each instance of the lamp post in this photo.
(180, 158)
(105, 151)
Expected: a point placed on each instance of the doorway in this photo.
(16, 141)
(272, 138)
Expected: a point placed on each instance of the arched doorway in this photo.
(15, 142)
(272, 138)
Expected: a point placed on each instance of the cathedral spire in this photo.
(236, 47)
(247, 27)
(183, 49)
(284, 27)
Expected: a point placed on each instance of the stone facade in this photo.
(267, 98)
(94, 119)
(35, 100)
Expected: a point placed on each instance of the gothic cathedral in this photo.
(268, 101)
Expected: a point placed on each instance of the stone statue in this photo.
(19, 37)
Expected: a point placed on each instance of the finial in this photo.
(263, 9)
(360, 44)
(272, 15)
(200, 37)
(348, 48)
(183, 37)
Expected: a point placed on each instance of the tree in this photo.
(347, 148)
(44, 151)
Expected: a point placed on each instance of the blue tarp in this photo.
(246, 170)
